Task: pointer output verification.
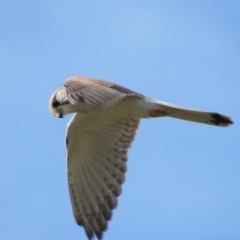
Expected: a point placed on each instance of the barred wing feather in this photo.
(97, 155)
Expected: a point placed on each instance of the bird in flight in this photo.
(98, 138)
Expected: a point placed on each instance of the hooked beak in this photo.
(60, 113)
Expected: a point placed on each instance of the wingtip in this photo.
(230, 122)
(221, 120)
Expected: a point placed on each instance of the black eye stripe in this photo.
(55, 103)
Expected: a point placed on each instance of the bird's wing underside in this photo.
(97, 155)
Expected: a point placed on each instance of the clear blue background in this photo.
(183, 181)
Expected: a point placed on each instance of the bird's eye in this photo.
(55, 103)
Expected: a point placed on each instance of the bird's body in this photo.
(98, 138)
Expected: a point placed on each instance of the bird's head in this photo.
(59, 104)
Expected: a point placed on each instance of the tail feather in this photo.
(196, 116)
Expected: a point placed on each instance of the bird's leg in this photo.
(157, 113)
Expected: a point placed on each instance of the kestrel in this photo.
(98, 138)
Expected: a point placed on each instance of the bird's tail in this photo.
(212, 118)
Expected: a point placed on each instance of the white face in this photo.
(59, 104)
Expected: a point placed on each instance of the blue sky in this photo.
(183, 178)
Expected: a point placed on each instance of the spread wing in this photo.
(97, 154)
(95, 93)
